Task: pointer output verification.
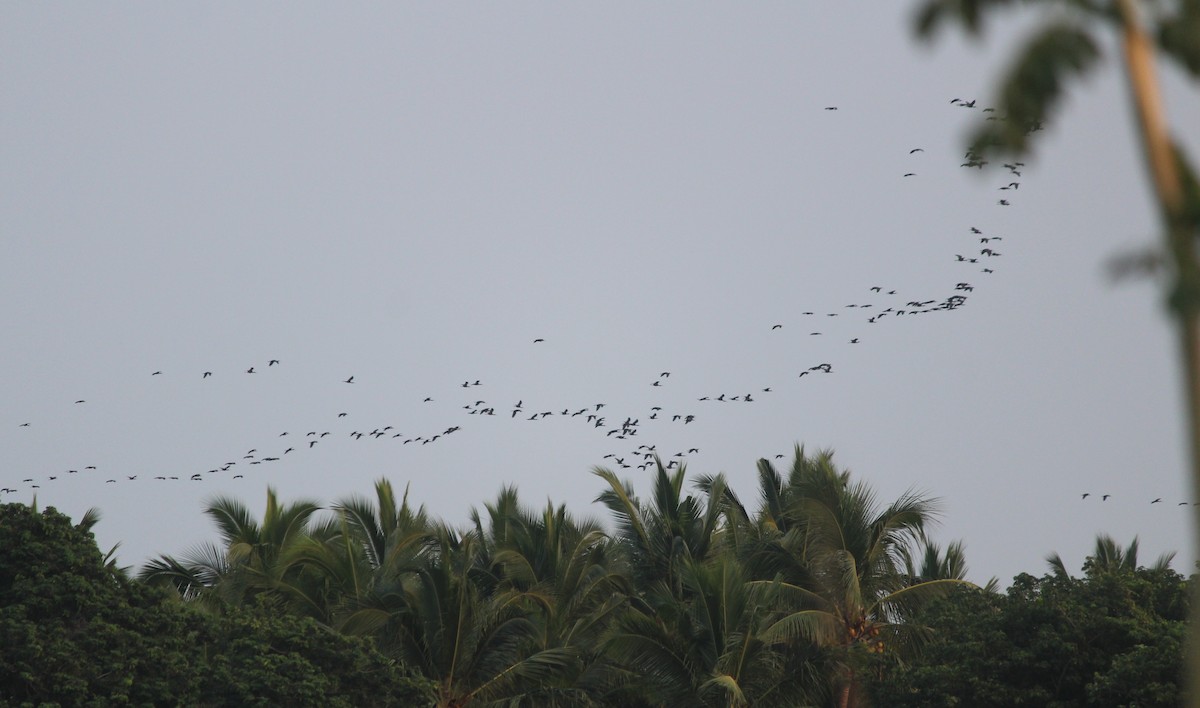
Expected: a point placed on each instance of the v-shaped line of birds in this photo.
(594, 414)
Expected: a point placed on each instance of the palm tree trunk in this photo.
(847, 699)
(1185, 296)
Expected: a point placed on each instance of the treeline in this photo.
(817, 596)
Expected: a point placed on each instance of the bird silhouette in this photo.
(250, 370)
(272, 362)
(916, 150)
(1085, 495)
(1156, 500)
(349, 380)
(206, 374)
(157, 373)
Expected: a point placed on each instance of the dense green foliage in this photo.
(75, 632)
(820, 597)
(1111, 638)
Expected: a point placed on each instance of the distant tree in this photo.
(575, 572)
(253, 558)
(1113, 637)
(658, 535)
(74, 632)
(698, 632)
(824, 537)
(1110, 556)
(723, 644)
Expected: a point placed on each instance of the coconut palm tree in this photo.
(572, 569)
(1109, 556)
(384, 526)
(842, 560)
(935, 564)
(478, 647)
(657, 536)
(255, 559)
(711, 647)
(361, 555)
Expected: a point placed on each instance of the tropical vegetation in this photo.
(818, 595)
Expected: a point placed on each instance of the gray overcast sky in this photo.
(411, 194)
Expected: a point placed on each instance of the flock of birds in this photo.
(624, 431)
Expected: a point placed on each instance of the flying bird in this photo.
(349, 380)
(206, 374)
(916, 150)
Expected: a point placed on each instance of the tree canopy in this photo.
(821, 596)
